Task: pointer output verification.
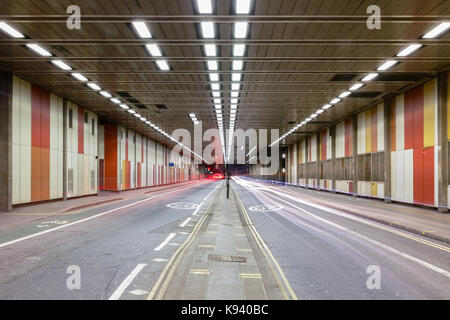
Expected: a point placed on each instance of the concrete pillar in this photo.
(318, 160)
(387, 151)
(6, 141)
(333, 158)
(355, 154)
(65, 150)
(443, 142)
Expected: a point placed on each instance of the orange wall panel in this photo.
(45, 119)
(428, 176)
(418, 117)
(35, 174)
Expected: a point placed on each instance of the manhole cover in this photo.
(218, 258)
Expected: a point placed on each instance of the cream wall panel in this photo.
(16, 106)
(101, 142)
(394, 175)
(340, 140)
(314, 148)
(16, 175)
(400, 178)
(400, 122)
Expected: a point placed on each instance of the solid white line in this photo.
(185, 223)
(198, 208)
(124, 285)
(165, 242)
(83, 220)
(379, 244)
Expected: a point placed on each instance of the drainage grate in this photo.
(218, 258)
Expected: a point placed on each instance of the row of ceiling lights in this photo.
(143, 32)
(437, 31)
(240, 32)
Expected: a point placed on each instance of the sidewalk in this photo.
(421, 221)
(35, 212)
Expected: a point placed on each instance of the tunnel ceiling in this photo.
(300, 55)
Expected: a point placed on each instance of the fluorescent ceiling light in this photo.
(335, 101)
(217, 101)
(143, 119)
(239, 50)
(39, 50)
(141, 29)
(240, 30)
(61, 65)
(212, 65)
(137, 115)
(124, 106)
(238, 65)
(370, 77)
(233, 106)
(162, 64)
(437, 30)
(210, 50)
(345, 94)
(79, 76)
(215, 86)
(308, 119)
(356, 87)
(387, 65)
(313, 116)
(105, 94)
(131, 111)
(234, 94)
(243, 6)
(115, 100)
(204, 6)
(218, 107)
(233, 111)
(412, 48)
(236, 77)
(218, 111)
(327, 106)
(213, 77)
(235, 86)
(192, 115)
(216, 94)
(320, 111)
(10, 30)
(196, 122)
(234, 101)
(94, 86)
(207, 29)
(154, 50)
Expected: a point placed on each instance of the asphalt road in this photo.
(327, 254)
(119, 249)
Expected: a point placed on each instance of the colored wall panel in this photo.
(429, 107)
(418, 117)
(428, 176)
(80, 130)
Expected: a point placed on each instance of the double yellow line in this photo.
(271, 261)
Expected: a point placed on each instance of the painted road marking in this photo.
(378, 244)
(251, 276)
(159, 260)
(124, 285)
(206, 246)
(199, 271)
(139, 292)
(165, 242)
(87, 219)
(199, 206)
(182, 206)
(185, 222)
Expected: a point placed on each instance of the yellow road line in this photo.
(264, 248)
(208, 246)
(251, 276)
(199, 271)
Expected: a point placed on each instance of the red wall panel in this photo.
(139, 170)
(418, 176)
(45, 119)
(428, 176)
(111, 164)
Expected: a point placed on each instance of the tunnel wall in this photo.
(413, 127)
(37, 146)
(133, 161)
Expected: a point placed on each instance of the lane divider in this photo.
(165, 242)
(271, 261)
(124, 285)
(185, 222)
